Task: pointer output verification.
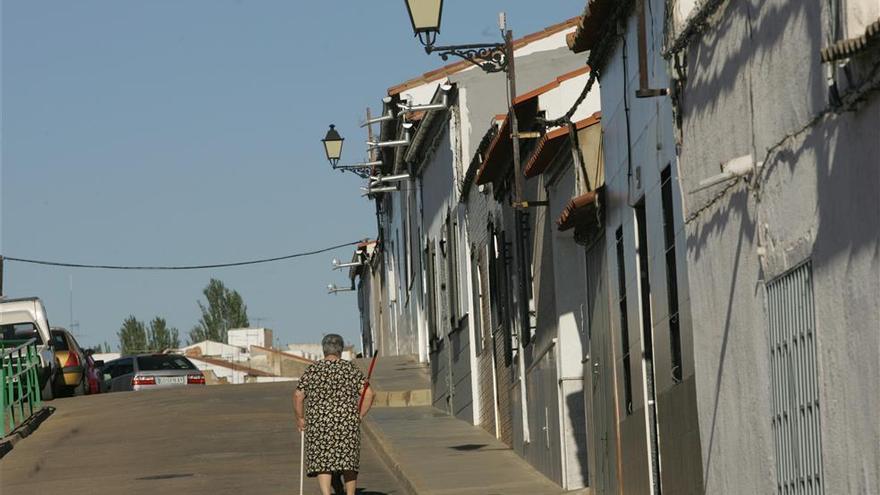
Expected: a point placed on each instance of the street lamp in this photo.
(425, 16)
(333, 147)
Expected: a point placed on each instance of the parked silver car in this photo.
(149, 372)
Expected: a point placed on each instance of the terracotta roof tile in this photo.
(577, 210)
(589, 28)
(849, 47)
(459, 66)
(499, 152)
(549, 145)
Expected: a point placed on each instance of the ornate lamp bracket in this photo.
(491, 57)
(362, 173)
(362, 170)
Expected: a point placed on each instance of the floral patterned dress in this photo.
(333, 433)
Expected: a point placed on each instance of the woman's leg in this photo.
(351, 480)
(324, 482)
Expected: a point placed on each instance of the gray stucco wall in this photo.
(754, 78)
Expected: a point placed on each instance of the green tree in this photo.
(100, 348)
(132, 336)
(161, 337)
(225, 309)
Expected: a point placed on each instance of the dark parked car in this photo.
(93, 374)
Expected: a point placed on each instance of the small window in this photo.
(671, 273)
(476, 291)
(122, 367)
(161, 362)
(624, 323)
(431, 289)
(20, 331)
(795, 383)
(59, 341)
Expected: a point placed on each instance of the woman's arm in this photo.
(298, 407)
(368, 400)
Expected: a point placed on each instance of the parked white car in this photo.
(23, 319)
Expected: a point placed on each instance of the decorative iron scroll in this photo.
(489, 57)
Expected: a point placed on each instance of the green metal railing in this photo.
(19, 382)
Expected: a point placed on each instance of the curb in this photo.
(402, 398)
(8, 442)
(389, 456)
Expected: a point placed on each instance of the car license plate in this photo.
(171, 380)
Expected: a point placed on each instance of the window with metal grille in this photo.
(671, 272)
(624, 324)
(431, 291)
(795, 387)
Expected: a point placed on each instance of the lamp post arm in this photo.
(355, 166)
(491, 57)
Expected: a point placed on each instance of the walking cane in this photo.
(302, 460)
(367, 383)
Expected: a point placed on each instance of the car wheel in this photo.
(48, 392)
(58, 387)
(81, 388)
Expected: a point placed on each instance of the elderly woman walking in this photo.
(330, 390)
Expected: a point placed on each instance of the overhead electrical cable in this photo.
(181, 267)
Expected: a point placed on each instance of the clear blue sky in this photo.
(187, 132)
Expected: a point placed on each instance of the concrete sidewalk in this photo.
(399, 381)
(432, 453)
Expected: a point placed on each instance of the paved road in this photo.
(213, 440)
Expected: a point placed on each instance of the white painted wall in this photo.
(557, 101)
(549, 43)
(218, 349)
(246, 337)
(858, 14)
(106, 356)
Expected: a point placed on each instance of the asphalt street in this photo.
(213, 440)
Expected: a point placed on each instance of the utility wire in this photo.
(181, 267)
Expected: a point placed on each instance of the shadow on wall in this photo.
(845, 149)
(739, 201)
(575, 403)
(763, 29)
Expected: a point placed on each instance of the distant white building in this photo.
(246, 337)
(315, 352)
(106, 356)
(308, 351)
(216, 349)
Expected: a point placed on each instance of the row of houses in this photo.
(685, 298)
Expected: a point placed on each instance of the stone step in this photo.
(399, 381)
(402, 398)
